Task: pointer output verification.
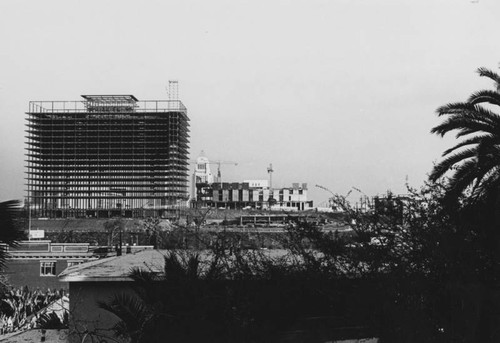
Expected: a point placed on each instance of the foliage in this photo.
(243, 296)
(153, 230)
(176, 237)
(23, 308)
(114, 229)
(51, 321)
(419, 274)
(474, 163)
(471, 171)
(435, 269)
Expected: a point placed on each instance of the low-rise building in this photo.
(37, 263)
(97, 281)
(253, 194)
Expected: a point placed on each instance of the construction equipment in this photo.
(218, 162)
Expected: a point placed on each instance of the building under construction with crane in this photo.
(211, 191)
(105, 156)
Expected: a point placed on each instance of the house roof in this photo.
(116, 268)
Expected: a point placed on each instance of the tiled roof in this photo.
(116, 268)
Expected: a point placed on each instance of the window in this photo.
(74, 263)
(48, 268)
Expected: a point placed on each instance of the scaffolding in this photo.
(105, 156)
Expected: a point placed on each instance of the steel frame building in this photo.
(108, 155)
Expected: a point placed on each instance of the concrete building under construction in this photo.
(256, 194)
(107, 155)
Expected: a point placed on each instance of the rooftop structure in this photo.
(107, 155)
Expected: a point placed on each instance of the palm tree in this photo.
(10, 232)
(473, 165)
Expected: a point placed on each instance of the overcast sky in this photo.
(338, 93)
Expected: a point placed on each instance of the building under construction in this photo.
(105, 156)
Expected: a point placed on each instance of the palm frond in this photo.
(469, 110)
(483, 181)
(473, 140)
(462, 179)
(455, 107)
(51, 321)
(192, 268)
(145, 285)
(472, 173)
(490, 181)
(173, 267)
(485, 72)
(449, 163)
(466, 132)
(130, 309)
(483, 114)
(488, 96)
(464, 125)
(142, 275)
(482, 172)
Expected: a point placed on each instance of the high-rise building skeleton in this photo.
(105, 156)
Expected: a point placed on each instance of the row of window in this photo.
(48, 268)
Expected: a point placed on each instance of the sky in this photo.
(337, 93)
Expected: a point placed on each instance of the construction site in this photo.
(209, 191)
(107, 156)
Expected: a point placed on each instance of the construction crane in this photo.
(218, 163)
(205, 160)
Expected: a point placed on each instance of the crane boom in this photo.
(219, 162)
(216, 162)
